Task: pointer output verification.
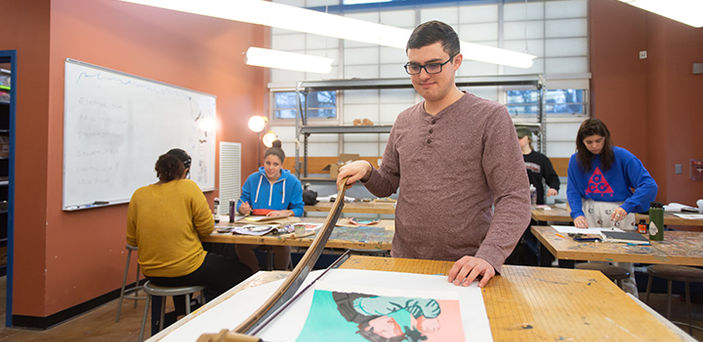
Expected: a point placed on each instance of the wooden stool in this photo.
(132, 293)
(685, 274)
(161, 291)
(614, 273)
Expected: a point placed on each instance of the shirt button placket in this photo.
(429, 139)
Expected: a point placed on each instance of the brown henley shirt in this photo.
(451, 169)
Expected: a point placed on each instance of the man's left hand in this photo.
(466, 269)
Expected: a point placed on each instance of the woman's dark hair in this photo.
(434, 31)
(171, 165)
(585, 157)
(276, 150)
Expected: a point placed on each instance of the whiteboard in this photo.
(116, 126)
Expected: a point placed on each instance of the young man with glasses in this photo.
(465, 194)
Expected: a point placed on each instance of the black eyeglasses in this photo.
(430, 68)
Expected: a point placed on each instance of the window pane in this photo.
(284, 100)
(326, 113)
(556, 101)
(321, 104)
(284, 114)
(320, 99)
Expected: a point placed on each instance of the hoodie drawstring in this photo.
(283, 198)
(256, 199)
(258, 188)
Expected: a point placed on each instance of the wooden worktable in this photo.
(376, 237)
(678, 248)
(526, 303)
(547, 304)
(356, 207)
(556, 214)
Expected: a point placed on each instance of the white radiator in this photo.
(230, 174)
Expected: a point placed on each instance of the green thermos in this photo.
(656, 221)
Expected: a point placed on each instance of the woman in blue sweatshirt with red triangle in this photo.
(271, 191)
(607, 184)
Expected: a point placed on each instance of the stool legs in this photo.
(124, 283)
(668, 299)
(146, 311)
(163, 313)
(136, 284)
(688, 307)
(650, 278)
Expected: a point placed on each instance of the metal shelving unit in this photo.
(302, 129)
(4, 169)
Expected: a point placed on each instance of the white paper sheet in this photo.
(287, 326)
(589, 230)
(689, 216)
(678, 207)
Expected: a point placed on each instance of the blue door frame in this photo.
(10, 56)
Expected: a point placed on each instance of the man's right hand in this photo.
(580, 222)
(358, 170)
(245, 208)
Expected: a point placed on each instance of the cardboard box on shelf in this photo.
(343, 159)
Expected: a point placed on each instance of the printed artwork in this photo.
(350, 316)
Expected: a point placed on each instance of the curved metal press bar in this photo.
(291, 284)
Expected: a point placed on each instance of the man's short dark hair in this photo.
(432, 32)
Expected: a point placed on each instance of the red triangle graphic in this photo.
(597, 184)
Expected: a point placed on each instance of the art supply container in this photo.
(656, 221)
(215, 208)
(299, 229)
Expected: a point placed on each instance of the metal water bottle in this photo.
(232, 206)
(656, 221)
(533, 195)
(215, 208)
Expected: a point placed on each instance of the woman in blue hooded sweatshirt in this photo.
(271, 191)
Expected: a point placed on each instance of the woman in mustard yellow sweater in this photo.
(165, 220)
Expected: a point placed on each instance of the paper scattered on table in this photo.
(257, 230)
(264, 218)
(689, 216)
(309, 226)
(589, 230)
(354, 222)
(678, 207)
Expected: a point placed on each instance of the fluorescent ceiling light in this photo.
(288, 60)
(689, 12)
(324, 24)
(356, 2)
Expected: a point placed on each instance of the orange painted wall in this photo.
(29, 21)
(64, 259)
(653, 107)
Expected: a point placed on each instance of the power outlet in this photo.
(678, 169)
(643, 54)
